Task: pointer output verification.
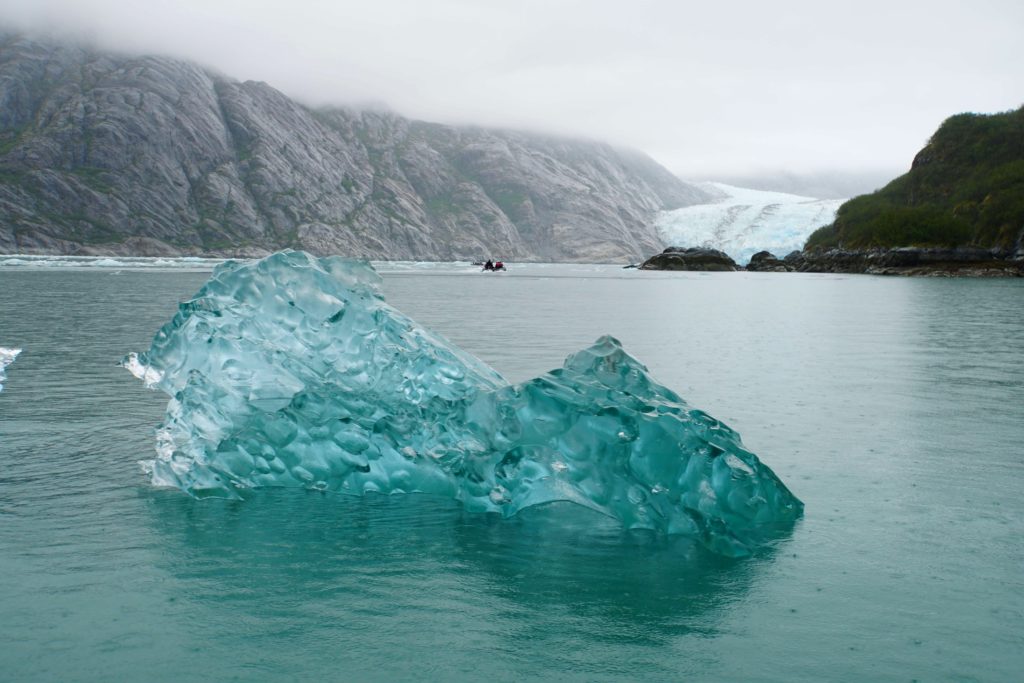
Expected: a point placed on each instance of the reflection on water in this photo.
(365, 558)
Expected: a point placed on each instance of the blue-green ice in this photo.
(293, 371)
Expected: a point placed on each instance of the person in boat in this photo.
(489, 265)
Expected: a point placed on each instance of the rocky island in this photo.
(690, 258)
(767, 262)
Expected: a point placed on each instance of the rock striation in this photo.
(690, 258)
(110, 154)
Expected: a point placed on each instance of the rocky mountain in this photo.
(105, 153)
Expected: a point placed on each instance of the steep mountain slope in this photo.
(741, 221)
(964, 189)
(101, 153)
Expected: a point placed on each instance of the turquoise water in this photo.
(894, 408)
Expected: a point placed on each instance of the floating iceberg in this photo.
(7, 357)
(293, 371)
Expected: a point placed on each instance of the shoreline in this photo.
(902, 261)
(905, 262)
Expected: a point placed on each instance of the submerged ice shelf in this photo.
(7, 357)
(293, 371)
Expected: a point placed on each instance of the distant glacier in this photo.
(742, 222)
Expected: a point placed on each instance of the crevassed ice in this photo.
(742, 222)
(293, 371)
(7, 357)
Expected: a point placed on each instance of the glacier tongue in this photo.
(742, 222)
(7, 357)
(293, 371)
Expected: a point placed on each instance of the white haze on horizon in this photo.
(733, 89)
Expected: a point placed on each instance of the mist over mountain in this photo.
(831, 184)
(107, 153)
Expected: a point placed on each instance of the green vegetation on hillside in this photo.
(965, 188)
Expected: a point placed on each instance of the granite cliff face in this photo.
(101, 153)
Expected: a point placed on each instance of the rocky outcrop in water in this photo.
(919, 261)
(692, 258)
(938, 262)
(766, 262)
(107, 154)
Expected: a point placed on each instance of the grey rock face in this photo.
(151, 156)
(693, 258)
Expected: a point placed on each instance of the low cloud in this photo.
(727, 89)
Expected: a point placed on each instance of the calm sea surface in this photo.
(893, 407)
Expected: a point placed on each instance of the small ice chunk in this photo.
(7, 357)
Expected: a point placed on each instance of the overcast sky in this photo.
(706, 88)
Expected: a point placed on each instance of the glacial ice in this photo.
(293, 371)
(7, 357)
(741, 221)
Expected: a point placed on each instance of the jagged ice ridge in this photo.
(293, 371)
